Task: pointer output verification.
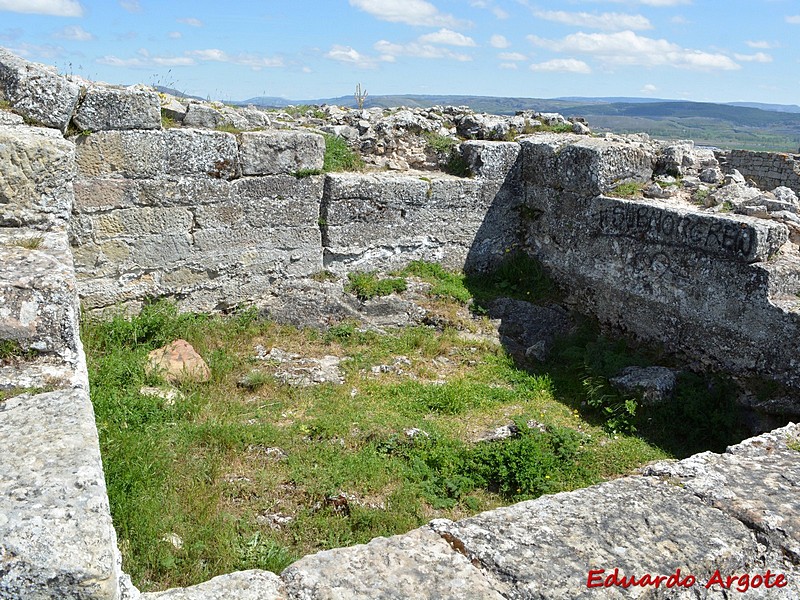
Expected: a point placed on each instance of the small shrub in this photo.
(441, 144)
(254, 380)
(167, 122)
(366, 286)
(629, 189)
(446, 284)
(618, 412)
(12, 349)
(323, 276)
(518, 276)
(456, 165)
(339, 156)
(794, 444)
(304, 173)
(31, 243)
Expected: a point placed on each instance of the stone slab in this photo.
(545, 548)
(275, 152)
(242, 585)
(103, 108)
(37, 91)
(36, 178)
(57, 541)
(415, 566)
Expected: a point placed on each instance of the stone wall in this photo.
(767, 169)
(129, 210)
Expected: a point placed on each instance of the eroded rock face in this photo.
(104, 108)
(37, 91)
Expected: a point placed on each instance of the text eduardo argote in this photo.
(600, 578)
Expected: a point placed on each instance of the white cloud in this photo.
(391, 51)
(604, 21)
(254, 61)
(649, 89)
(509, 66)
(131, 5)
(410, 12)
(146, 61)
(447, 37)
(629, 49)
(565, 65)
(349, 55)
(794, 19)
(653, 2)
(175, 35)
(56, 8)
(760, 44)
(499, 41)
(191, 22)
(760, 57)
(499, 13)
(76, 33)
(511, 56)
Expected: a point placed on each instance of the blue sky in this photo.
(738, 50)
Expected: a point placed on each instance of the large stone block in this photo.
(104, 108)
(130, 154)
(38, 301)
(415, 566)
(57, 541)
(584, 165)
(490, 160)
(197, 152)
(37, 91)
(137, 222)
(277, 152)
(280, 200)
(726, 236)
(243, 585)
(37, 168)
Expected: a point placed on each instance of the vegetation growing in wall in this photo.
(339, 156)
(246, 471)
(366, 286)
(629, 189)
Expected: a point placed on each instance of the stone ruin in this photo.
(100, 206)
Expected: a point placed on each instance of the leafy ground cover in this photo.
(247, 471)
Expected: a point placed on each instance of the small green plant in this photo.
(456, 165)
(618, 412)
(793, 444)
(12, 349)
(360, 96)
(166, 121)
(629, 189)
(339, 156)
(254, 380)
(518, 276)
(441, 144)
(29, 243)
(366, 286)
(446, 284)
(5, 105)
(700, 196)
(726, 207)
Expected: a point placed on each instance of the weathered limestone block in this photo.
(57, 541)
(415, 566)
(36, 91)
(196, 152)
(243, 585)
(137, 222)
(278, 152)
(490, 160)
(38, 301)
(755, 481)
(545, 548)
(280, 200)
(203, 116)
(35, 178)
(385, 221)
(9, 118)
(104, 108)
(726, 236)
(588, 166)
(129, 154)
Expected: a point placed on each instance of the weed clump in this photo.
(366, 286)
(339, 156)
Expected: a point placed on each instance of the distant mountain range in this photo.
(749, 125)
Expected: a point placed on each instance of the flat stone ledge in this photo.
(243, 585)
(56, 537)
(104, 108)
(415, 566)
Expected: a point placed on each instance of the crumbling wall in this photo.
(767, 169)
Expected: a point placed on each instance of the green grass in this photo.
(227, 128)
(339, 156)
(366, 286)
(630, 189)
(206, 466)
